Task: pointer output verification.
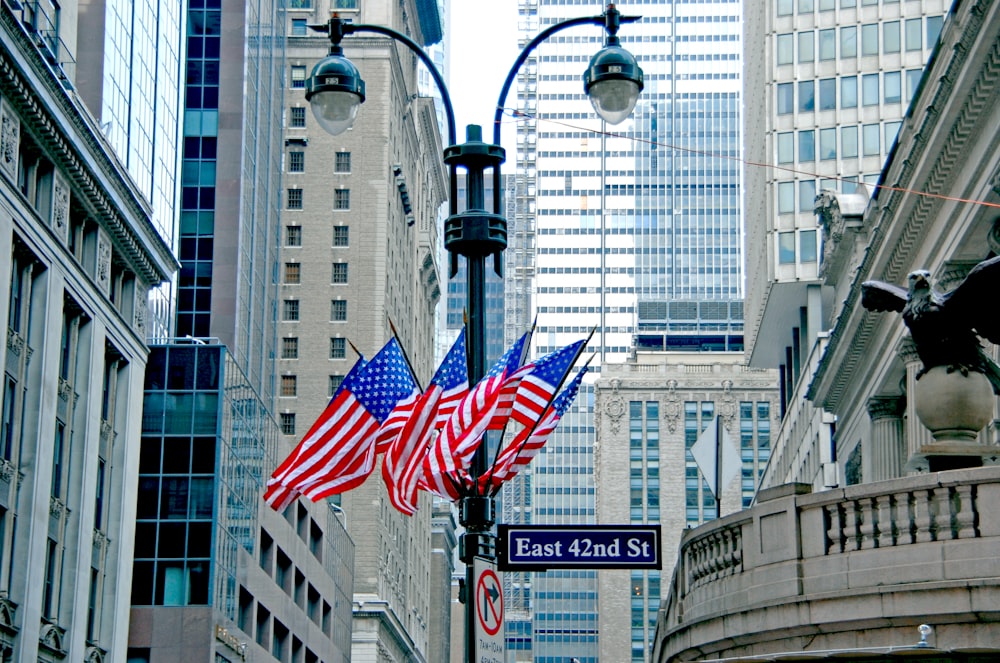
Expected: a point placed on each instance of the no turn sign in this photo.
(489, 613)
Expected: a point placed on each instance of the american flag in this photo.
(402, 467)
(537, 388)
(338, 452)
(530, 440)
(451, 452)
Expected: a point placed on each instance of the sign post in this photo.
(488, 597)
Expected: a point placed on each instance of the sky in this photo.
(482, 45)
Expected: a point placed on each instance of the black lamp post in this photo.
(335, 90)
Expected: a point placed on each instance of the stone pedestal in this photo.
(955, 407)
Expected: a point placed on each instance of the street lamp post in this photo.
(335, 90)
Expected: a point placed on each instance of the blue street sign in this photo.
(540, 547)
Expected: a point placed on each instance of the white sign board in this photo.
(488, 596)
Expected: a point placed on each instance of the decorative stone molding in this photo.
(841, 217)
(15, 342)
(8, 473)
(60, 206)
(671, 407)
(103, 274)
(954, 272)
(10, 141)
(51, 639)
(8, 614)
(94, 654)
(884, 407)
(615, 408)
(57, 508)
(139, 307)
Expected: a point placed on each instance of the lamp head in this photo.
(613, 81)
(334, 91)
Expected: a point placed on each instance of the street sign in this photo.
(489, 612)
(540, 547)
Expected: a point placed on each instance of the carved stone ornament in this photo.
(51, 637)
(7, 470)
(671, 406)
(10, 141)
(56, 507)
(104, 262)
(139, 319)
(60, 206)
(614, 408)
(94, 654)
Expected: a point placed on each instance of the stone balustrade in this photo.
(831, 570)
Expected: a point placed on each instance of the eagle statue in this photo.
(946, 327)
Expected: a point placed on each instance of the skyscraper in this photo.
(359, 257)
(628, 220)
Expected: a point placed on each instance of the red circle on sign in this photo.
(485, 603)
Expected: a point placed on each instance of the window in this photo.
(293, 235)
(338, 310)
(869, 90)
(893, 87)
(290, 347)
(785, 46)
(849, 142)
(293, 274)
(289, 385)
(786, 248)
(827, 44)
(341, 235)
(807, 46)
(785, 7)
(890, 37)
(806, 6)
(300, 4)
(296, 161)
(786, 197)
(807, 145)
(290, 310)
(338, 348)
(870, 139)
(807, 98)
(287, 423)
(786, 148)
(807, 195)
(934, 24)
(298, 76)
(342, 199)
(807, 246)
(297, 117)
(869, 39)
(339, 274)
(828, 143)
(334, 384)
(58, 458)
(299, 28)
(295, 199)
(827, 5)
(849, 92)
(342, 162)
(913, 34)
(786, 98)
(828, 94)
(345, 4)
(849, 42)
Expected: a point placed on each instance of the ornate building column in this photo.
(886, 451)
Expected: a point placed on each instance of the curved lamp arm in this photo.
(611, 19)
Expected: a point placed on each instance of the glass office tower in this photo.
(626, 218)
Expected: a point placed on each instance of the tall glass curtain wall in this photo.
(140, 106)
(645, 210)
